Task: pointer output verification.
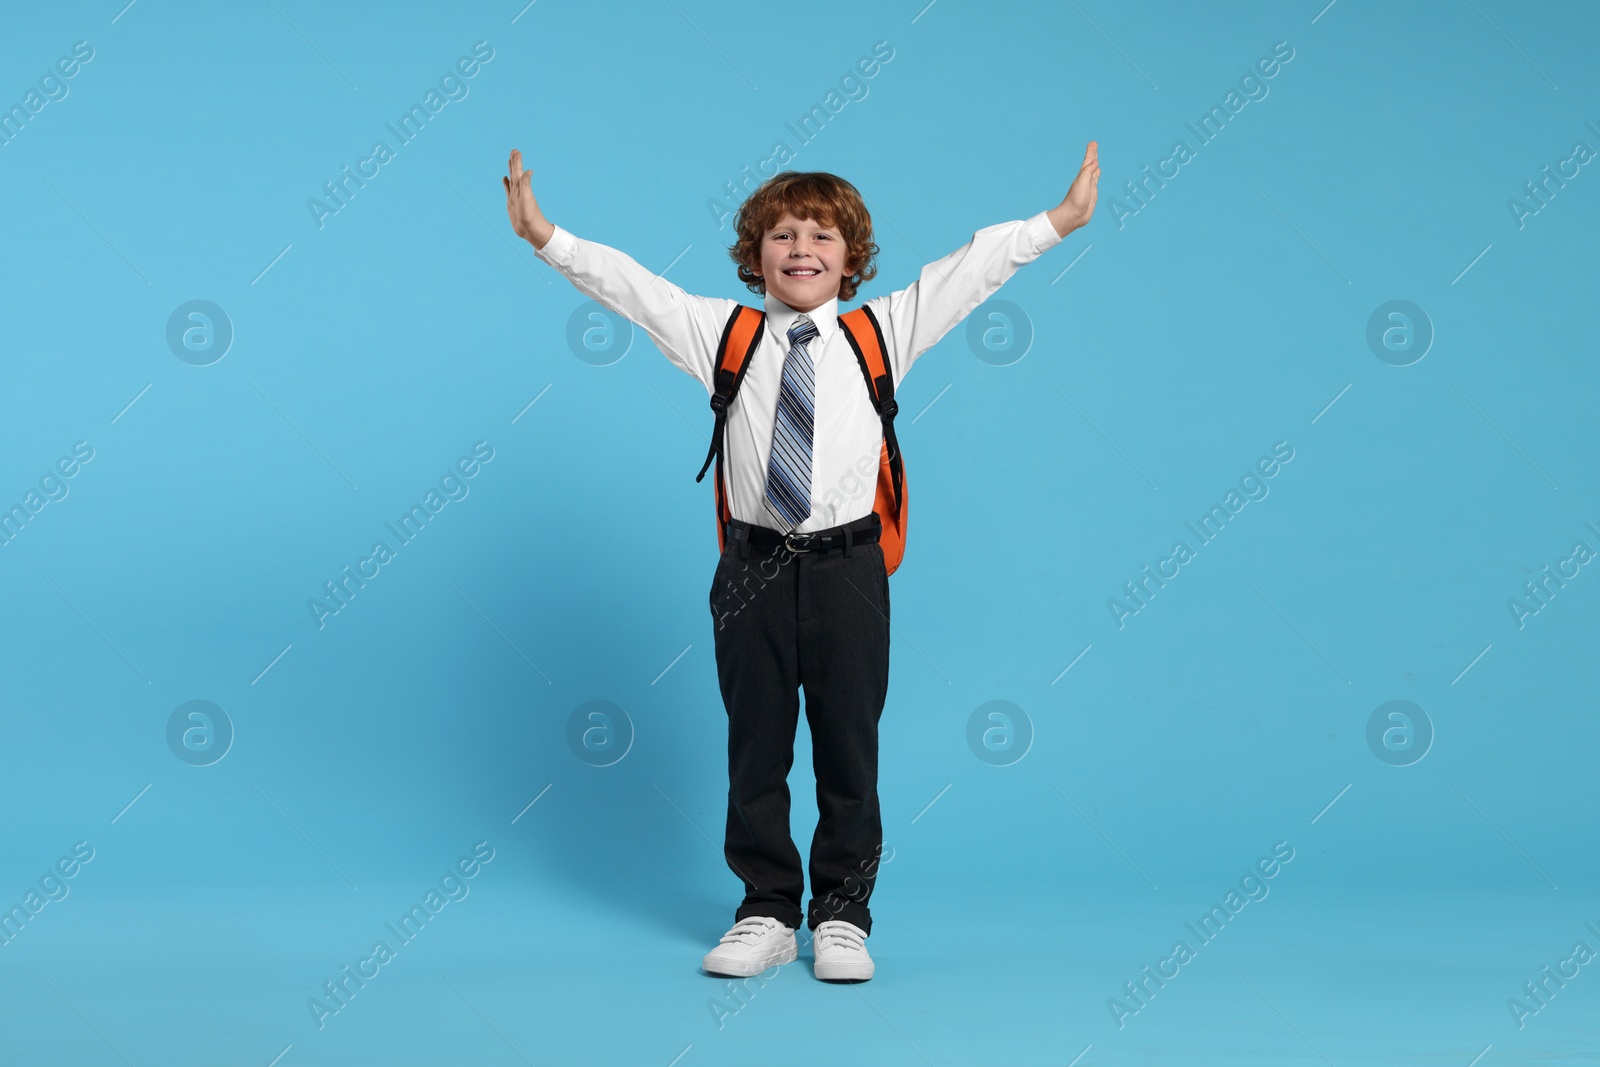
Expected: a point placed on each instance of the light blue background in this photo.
(1231, 713)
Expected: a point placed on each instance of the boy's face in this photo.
(802, 262)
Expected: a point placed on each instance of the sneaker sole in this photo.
(747, 968)
(846, 973)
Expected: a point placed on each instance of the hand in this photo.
(526, 218)
(1075, 209)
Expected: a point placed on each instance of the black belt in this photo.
(863, 531)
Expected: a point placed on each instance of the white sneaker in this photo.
(841, 951)
(754, 944)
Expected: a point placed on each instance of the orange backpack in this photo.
(739, 340)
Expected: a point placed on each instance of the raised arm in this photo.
(948, 289)
(684, 326)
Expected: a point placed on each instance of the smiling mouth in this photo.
(802, 272)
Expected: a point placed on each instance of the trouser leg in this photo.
(843, 625)
(753, 618)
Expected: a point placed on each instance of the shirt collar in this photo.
(781, 316)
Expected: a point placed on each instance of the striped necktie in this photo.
(789, 468)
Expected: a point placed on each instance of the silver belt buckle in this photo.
(788, 541)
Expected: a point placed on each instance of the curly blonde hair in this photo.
(817, 195)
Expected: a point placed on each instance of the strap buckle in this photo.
(809, 540)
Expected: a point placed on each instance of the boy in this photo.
(801, 430)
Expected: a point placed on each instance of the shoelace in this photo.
(839, 936)
(749, 929)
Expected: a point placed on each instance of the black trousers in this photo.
(817, 621)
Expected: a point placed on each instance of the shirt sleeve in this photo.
(687, 328)
(915, 318)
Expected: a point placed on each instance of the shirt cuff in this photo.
(558, 250)
(1043, 232)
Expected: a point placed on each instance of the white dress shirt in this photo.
(848, 434)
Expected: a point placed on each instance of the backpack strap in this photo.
(740, 336)
(865, 334)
